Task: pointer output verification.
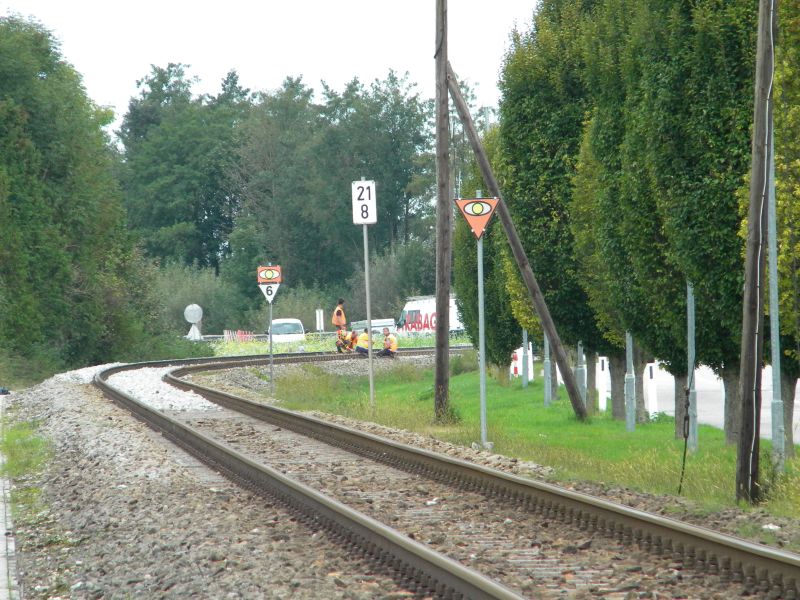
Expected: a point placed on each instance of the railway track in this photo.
(513, 545)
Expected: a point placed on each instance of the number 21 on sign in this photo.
(364, 205)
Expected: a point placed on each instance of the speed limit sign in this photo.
(364, 205)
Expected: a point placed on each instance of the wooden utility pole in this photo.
(747, 486)
(516, 247)
(444, 221)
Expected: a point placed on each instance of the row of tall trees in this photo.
(71, 283)
(624, 144)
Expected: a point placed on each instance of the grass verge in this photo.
(518, 423)
(25, 454)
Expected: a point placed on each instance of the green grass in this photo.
(25, 454)
(24, 451)
(316, 343)
(599, 450)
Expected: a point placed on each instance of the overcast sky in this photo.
(112, 43)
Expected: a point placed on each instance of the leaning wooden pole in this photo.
(517, 249)
(444, 221)
(747, 458)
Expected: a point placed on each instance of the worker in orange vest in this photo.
(339, 319)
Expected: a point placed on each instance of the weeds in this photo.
(465, 362)
(25, 455)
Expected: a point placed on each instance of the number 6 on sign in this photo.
(364, 207)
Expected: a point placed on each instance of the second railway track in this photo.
(533, 538)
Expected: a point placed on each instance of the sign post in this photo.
(365, 212)
(477, 212)
(269, 280)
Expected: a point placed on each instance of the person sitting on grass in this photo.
(362, 345)
(389, 344)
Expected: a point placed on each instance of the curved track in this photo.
(760, 569)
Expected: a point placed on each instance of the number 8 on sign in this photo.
(364, 205)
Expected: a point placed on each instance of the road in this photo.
(710, 396)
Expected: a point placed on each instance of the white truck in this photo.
(419, 316)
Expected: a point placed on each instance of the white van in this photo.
(419, 316)
(287, 330)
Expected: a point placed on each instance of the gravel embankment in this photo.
(125, 515)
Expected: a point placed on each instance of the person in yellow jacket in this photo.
(389, 344)
(339, 319)
(362, 345)
(343, 341)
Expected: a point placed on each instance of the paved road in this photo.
(710, 397)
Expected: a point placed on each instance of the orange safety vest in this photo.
(338, 319)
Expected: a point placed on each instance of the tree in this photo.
(699, 134)
(542, 111)
(66, 263)
(296, 165)
(178, 153)
(277, 175)
(787, 166)
(381, 133)
(617, 247)
(503, 333)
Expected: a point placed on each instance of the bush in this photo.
(464, 362)
(178, 286)
(22, 371)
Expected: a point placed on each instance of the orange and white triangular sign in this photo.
(270, 274)
(477, 212)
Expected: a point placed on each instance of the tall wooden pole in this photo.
(516, 248)
(444, 220)
(747, 467)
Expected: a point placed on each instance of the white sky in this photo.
(112, 43)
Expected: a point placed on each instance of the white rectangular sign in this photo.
(364, 206)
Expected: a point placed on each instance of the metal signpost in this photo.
(690, 359)
(778, 428)
(365, 212)
(269, 280)
(524, 358)
(477, 212)
(580, 373)
(548, 383)
(630, 385)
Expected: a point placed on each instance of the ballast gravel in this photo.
(122, 514)
(119, 513)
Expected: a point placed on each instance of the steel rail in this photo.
(759, 568)
(407, 561)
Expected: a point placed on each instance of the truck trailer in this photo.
(419, 316)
